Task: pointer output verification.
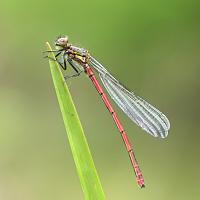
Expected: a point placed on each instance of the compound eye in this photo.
(62, 41)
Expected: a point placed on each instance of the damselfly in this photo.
(137, 109)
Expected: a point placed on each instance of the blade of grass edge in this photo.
(87, 173)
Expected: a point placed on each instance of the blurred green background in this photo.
(150, 46)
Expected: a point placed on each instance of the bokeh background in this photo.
(150, 46)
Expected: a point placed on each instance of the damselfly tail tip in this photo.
(140, 182)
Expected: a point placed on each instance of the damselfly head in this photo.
(62, 41)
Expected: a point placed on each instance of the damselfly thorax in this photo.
(80, 55)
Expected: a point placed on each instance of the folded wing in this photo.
(138, 110)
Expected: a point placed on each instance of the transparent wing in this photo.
(138, 110)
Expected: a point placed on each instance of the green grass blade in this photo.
(87, 173)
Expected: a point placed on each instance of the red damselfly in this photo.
(138, 110)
